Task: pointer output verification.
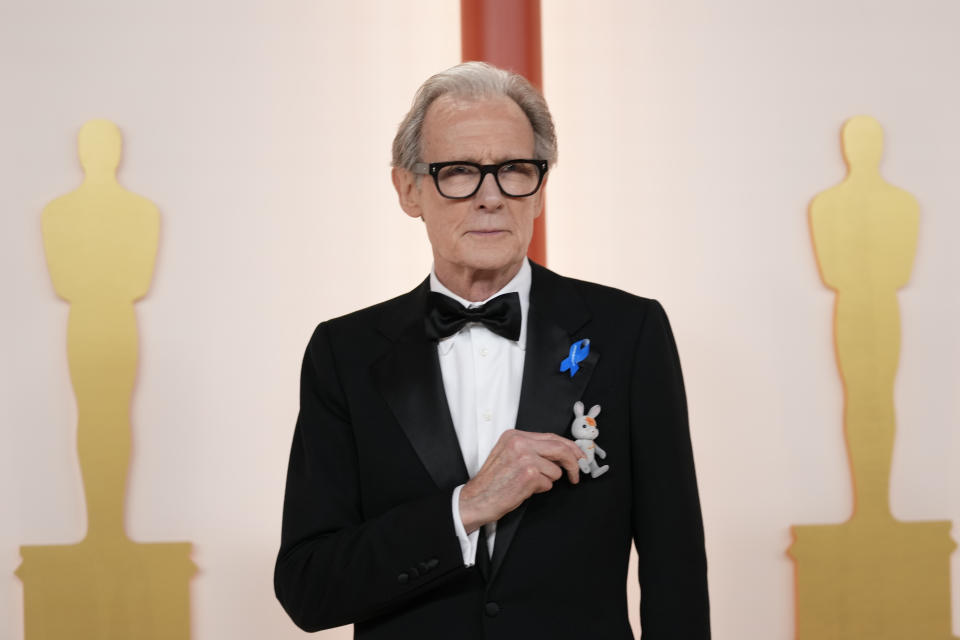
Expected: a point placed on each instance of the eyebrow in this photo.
(499, 160)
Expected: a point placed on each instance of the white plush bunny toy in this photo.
(585, 431)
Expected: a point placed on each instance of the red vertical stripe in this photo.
(506, 33)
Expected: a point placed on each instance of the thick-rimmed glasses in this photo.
(460, 179)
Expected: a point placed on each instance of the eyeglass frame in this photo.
(433, 169)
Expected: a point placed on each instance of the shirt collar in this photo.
(520, 283)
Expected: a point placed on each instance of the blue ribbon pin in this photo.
(578, 353)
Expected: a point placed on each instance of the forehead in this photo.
(481, 130)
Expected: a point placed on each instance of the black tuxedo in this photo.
(368, 535)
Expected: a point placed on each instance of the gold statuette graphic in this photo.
(101, 244)
(872, 577)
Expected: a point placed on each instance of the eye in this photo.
(456, 171)
(518, 168)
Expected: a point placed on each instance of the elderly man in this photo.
(435, 489)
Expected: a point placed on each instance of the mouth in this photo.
(484, 233)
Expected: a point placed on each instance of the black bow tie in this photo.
(446, 316)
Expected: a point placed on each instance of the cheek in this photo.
(438, 235)
(442, 227)
(526, 227)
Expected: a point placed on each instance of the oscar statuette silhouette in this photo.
(101, 244)
(873, 577)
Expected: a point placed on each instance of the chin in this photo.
(491, 262)
(503, 252)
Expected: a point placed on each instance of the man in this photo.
(434, 490)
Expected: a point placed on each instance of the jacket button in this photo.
(492, 609)
(424, 567)
(432, 563)
(413, 572)
(403, 578)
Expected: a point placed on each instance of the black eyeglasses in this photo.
(460, 179)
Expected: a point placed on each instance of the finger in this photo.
(534, 467)
(543, 486)
(535, 476)
(554, 438)
(560, 450)
(545, 445)
(547, 474)
(551, 470)
(536, 437)
(562, 456)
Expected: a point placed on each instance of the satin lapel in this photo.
(410, 381)
(547, 395)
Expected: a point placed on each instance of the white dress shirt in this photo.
(482, 373)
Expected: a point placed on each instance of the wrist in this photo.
(470, 513)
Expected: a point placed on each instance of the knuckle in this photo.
(516, 443)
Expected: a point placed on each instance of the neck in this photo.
(475, 285)
(98, 176)
(863, 171)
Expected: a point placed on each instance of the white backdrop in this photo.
(692, 138)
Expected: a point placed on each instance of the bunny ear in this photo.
(578, 409)
(594, 411)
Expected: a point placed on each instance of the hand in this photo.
(521, 463)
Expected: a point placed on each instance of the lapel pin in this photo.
(578, 353)
(584, 429)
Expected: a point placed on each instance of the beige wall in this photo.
(718, 124)
(723, 120)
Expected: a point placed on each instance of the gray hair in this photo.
(475, 80)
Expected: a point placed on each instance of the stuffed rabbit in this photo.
(584, 429)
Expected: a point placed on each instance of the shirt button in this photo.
(483, 352)
(487, 416)
(492, 609)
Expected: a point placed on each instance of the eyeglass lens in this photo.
(516, 179)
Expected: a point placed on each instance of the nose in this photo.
(488, 195)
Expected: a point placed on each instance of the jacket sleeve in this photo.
(667, 525)
(334, 566)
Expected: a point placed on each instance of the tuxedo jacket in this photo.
(368, 534)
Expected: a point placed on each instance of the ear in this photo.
(578, 409)
(594, 411)
(408, 192)
(540, 195)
